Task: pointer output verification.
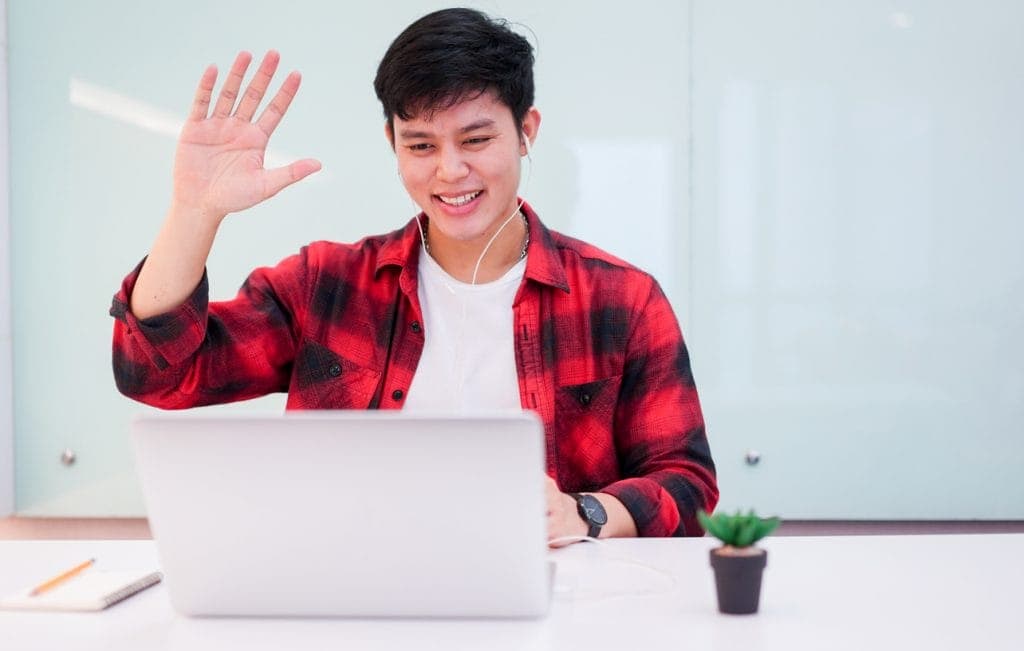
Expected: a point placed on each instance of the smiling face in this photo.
(461, 166)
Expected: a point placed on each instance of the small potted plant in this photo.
(738, 563)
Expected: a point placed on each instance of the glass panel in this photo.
(97, 97)
(858, 286)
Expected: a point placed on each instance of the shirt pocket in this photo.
(584, 434)
(324, 379)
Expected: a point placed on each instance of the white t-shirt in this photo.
(468, 361)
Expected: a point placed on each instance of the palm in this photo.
(218, 166)
(219, 163)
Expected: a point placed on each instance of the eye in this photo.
(420, 146)
(479, 140)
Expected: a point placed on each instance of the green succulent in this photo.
(737, 530)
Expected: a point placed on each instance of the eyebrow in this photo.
(482, 123)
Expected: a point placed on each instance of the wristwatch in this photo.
(592, 512)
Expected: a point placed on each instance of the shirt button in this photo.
(397, 394)
(416, 327)
(334, 370)
(584, 399)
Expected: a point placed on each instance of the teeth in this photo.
(459, 201)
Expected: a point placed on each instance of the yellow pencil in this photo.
(60, 578)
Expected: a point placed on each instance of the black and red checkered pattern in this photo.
(599, 352)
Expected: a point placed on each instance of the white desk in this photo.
(829, 593)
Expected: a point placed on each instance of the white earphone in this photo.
(459, 371)
(476, 268)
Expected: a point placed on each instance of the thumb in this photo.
(280, 178)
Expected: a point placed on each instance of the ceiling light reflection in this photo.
(127, 110)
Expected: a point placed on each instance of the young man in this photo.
(473, 304)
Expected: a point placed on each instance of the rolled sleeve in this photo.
(203, 353)
(661, 443)
(165, 339)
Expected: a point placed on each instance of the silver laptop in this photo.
(348, 513)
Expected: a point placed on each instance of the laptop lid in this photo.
(357, 513)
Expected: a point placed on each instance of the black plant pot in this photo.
(738, 580)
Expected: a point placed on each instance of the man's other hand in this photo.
(563, 518)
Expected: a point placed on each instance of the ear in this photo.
(389, 133)
(531, 124)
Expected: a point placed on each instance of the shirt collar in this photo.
(402, 249)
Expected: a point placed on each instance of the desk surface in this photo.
(883, 592)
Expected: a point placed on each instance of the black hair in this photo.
(451, 55)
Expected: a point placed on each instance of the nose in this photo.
(451, 166)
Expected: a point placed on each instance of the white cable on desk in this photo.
(599, 595)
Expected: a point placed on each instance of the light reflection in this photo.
(901, 20)
(111, 104)
(637, 225)
(738, 175)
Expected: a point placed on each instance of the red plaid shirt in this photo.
(598, 350)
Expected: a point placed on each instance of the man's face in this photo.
(461, 166)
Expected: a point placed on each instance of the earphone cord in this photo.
(479, 260)
(457, 362)
(670, 580)
(476, 269)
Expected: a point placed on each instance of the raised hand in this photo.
(219, 164)
(218, 169)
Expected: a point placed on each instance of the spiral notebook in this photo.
(92, 590)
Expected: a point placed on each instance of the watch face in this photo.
(592, 511)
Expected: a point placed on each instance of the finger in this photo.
(201, 102)
(229, 92)
(278, 106)
(258, 86)
(280, 178)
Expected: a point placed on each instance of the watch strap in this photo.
(593, 528)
